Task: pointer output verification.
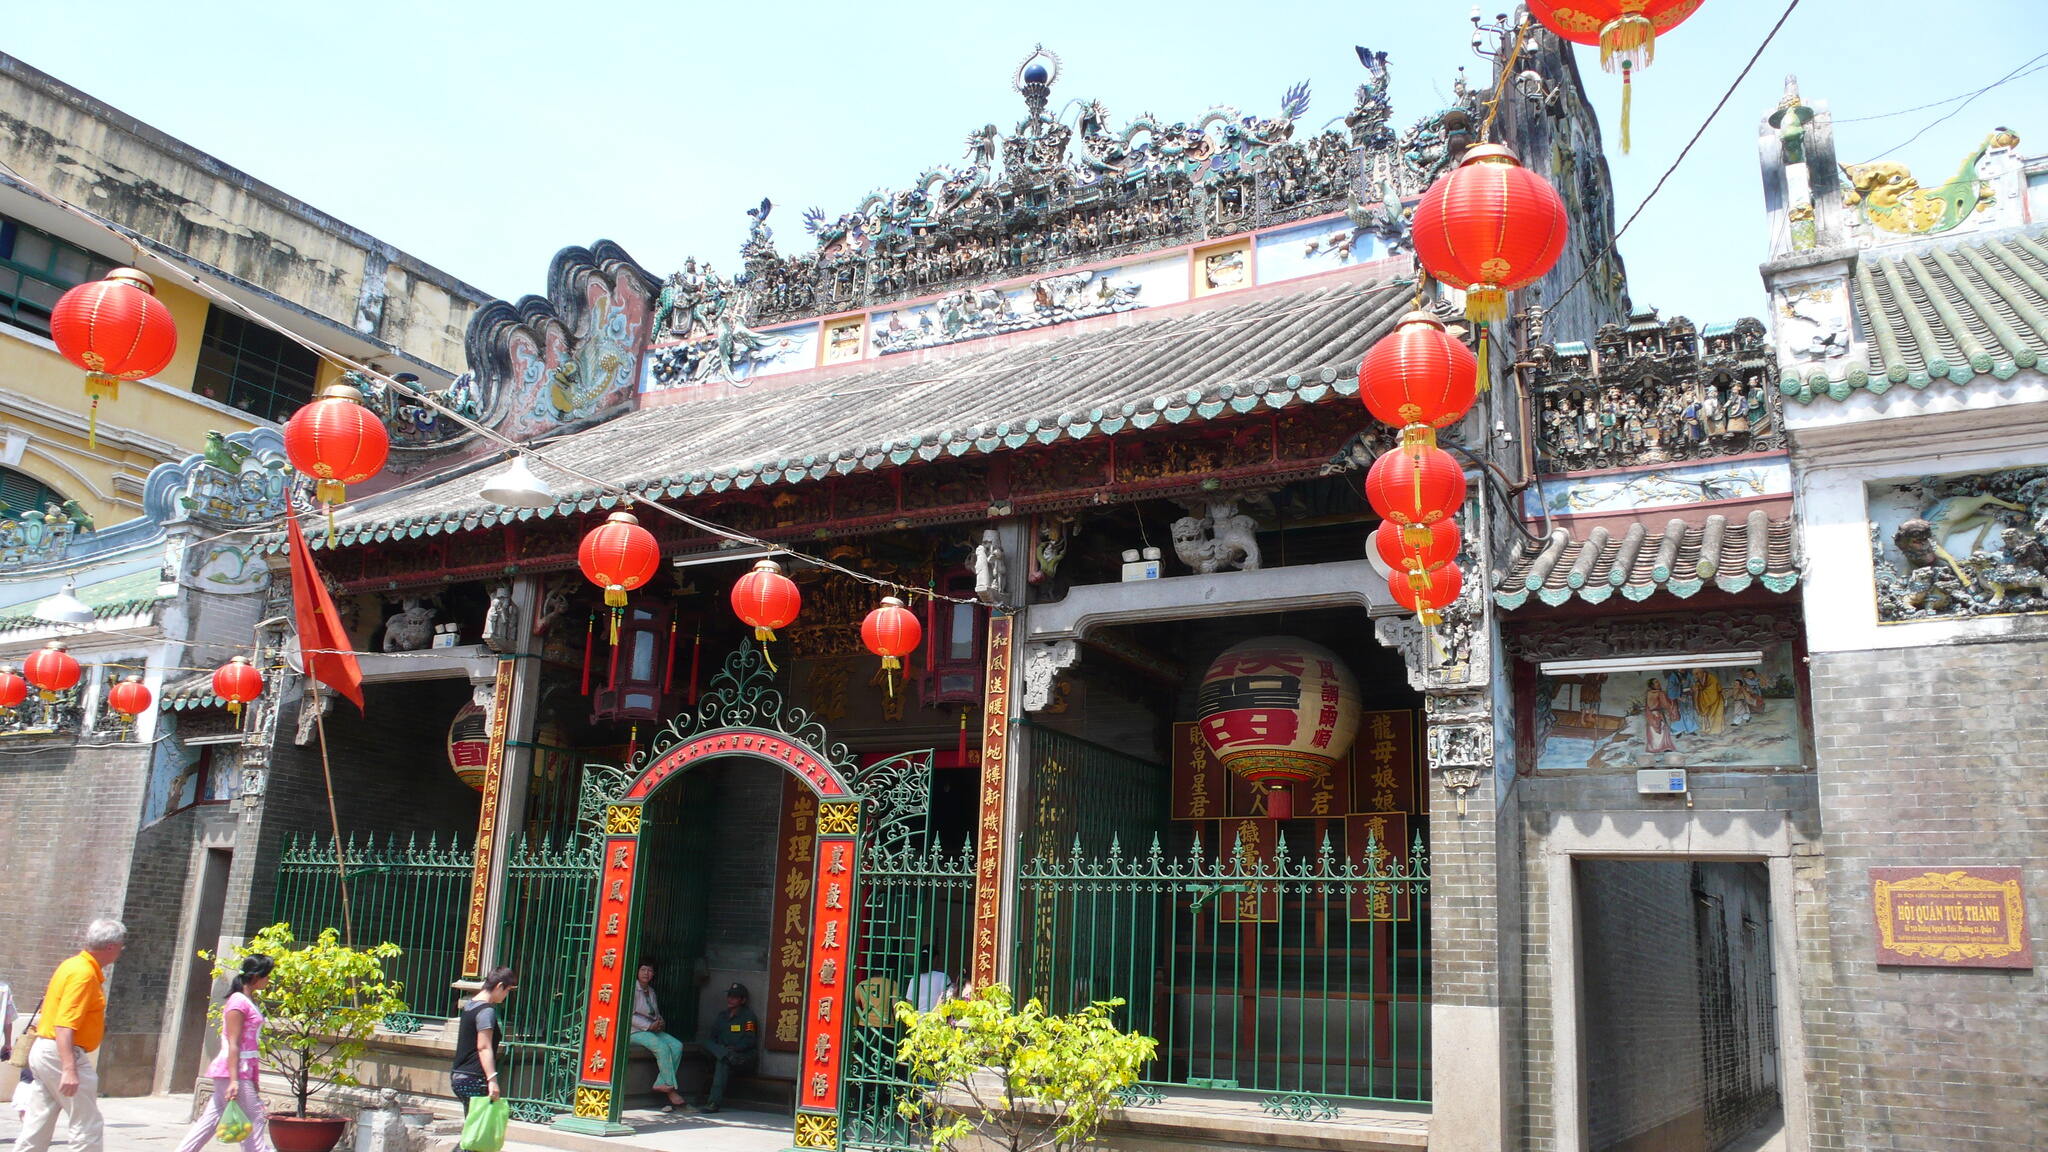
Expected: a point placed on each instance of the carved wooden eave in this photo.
(1350, 584)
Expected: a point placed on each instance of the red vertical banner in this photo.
(1383, 762)
(1377, 842)
(1251, 844)
(487, 825)
(1328, 796)
(1201, 786)
(831, 972)
(995, 762)
(795, 855)
(611, 986)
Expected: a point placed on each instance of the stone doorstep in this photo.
(1193, 1118)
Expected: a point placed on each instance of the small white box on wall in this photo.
(1660, 781)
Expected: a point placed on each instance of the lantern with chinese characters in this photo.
(618, 556)
(891, 632)
(337, 442)
(51, 669)
(1278, 711)
(765, 600)
(116, 329)
(1426, 593)
(1419, 374)
(237, 682)
(13, 689)
(1625, 30)
(1489, 226)
(129, 697)
(469, 745)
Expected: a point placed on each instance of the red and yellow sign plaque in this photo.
(1951, 917)
(611, 988)
(791, 925)
(832, 895)
(995, 761)
(487, 825)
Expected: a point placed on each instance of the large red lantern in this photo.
(337, 442)
(51, 669)
(237, 682)
(13, 689)
(1489, 226)
(1625, 30)
(618, 556)
(891, 632)
(766, 600)
(129, 697)
(469, 745)
(116, 329)
(1418, 487)
(1424, 593)
(1417, 547)
(1419, 374)
(1278, 711)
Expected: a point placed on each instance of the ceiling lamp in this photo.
(65, 607)
(518, 487)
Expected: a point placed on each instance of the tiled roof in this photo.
(1680, 560)
(123, 595)
(191, 691)
(1954, 311)
(1197, 364)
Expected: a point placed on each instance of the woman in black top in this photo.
(477, 1038)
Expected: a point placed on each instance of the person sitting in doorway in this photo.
(734, 1043)
(651, 1032)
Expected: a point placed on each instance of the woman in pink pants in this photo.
(234, 1070)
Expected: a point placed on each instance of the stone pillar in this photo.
(512, 700)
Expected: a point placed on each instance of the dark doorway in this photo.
(1679, 1035)
(196, 1041)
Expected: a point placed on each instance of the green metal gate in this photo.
(544, 930)
(915, 921)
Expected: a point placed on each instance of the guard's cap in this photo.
(739, 990)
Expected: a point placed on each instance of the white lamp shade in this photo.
(65, 608)
(518, 487)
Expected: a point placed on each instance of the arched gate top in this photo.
(742, 713)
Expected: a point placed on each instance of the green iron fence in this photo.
(415, 896)
(1302, 978)
(544, 930)
(1083, 791)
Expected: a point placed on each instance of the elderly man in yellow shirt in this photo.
(69, 1026)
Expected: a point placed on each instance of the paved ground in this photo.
(157, 1124)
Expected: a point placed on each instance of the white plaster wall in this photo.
(1833, 468)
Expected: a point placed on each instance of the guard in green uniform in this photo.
(734, 1043)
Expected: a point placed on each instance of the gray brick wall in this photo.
(1640, 962)
(1931, 757)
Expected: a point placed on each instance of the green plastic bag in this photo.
(234, 1124)
(483, 1129)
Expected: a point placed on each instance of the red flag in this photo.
(324, 646)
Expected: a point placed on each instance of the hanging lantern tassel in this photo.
(1627, 93)
(696, 653)
(1485, 379)
(764, 635)
(98, 384)
(589, 648)
(668, 669)
(961, 750)
(612, 678)
(1628, 41)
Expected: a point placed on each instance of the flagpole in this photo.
(348, 928)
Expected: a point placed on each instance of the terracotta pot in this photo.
(308, 1134)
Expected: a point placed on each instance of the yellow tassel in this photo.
(98, 385)
(1628, 42)
(764, 635)
(1628, 91)
(330, 524)
(1485, 377)
(1486, 304)
(615, 596)
(888, 677)
(617, 612)
(330, 491)
(891, 662)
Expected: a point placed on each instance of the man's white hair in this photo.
(103, 933)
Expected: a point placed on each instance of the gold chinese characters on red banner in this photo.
(791, 925)
(1951, 917)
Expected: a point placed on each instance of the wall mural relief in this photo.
(571, 358)
(1662, 487)
(1965, 545)
(1682, 717)
(1656, 391)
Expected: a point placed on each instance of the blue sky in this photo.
(484, 137)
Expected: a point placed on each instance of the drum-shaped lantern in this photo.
(469, 745)
(1278, 711)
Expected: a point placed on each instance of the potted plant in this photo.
(320, 1007)
(1016, 1079)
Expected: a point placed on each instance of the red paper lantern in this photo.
(469, 745)
(1423, 593)
(1278, 711)
(765, 599)
(891, 632)
(1418, 487)
(1489, 226)
(13, 689)
(51, 669)
(1417, 547)
(618, 556)
(129, 697)
(1419, 374)
(337, 442)
(1625, 30)
(116, 329)
(237, 682)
